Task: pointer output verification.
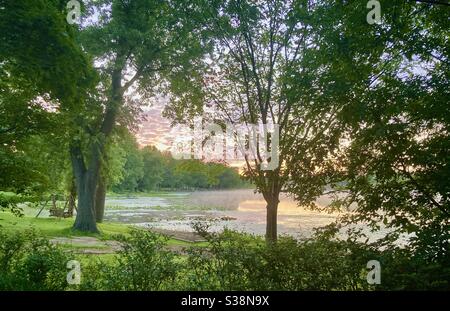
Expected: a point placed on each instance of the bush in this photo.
(403, 269)
(227, 263)
(230, 261)
(143, 264)
(10, 202)
(30, 262)
(236, 261)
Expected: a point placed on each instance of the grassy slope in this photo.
(54, 227)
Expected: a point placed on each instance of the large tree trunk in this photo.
(271, 224)
(85, 220)
(100, 197)
(86, 187)
(87, 177)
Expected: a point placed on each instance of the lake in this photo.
(240, 210)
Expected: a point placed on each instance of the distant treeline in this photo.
(149, 169)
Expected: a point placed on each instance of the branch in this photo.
(136, 76)
(432, 2)
(422, 189)
(7, 130)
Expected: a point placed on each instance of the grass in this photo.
(86, 260)
(59, 227)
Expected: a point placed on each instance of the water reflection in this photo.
(241, 210)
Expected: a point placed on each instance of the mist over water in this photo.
(241, 210)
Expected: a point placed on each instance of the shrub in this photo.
(143, 264)
(30, 262)
(229, 261)
(403, 269)
(236, 261)
(225, 264)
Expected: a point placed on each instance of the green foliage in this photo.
(33, 165)
(39, 53)
(43, 72)
(234, 261)
(149, 169)
(315, 67)
(10, 202)
(153, 169)
(391, 83)
(132, 168)
(228, 261)
(113, 166)
(142, 265)
(405, 270)
(230, 179)
(31, 262)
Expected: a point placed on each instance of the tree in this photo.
(389, 83)
(132, 170)
(42, 73)
(113, 168)
(192, 174)
(169, 178)
(137, 43)
(146, 169)
(258, 44)
(397, 161)
(230, 179)
(153, 169)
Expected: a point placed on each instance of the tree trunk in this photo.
(86, 187)
(72, 198)
(100, 200)
(54, 202)
(85, 220)
(87, 177)
(271, 224)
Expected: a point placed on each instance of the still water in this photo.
(241, 210)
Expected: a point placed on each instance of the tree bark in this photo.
(100, 197)
(54, 202)
(72, 197)
(87, 177)
(86, 186)
(271, 220)
(85, 220)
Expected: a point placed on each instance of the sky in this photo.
(155, 129)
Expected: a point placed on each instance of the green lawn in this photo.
(59, 227)
(54, 227)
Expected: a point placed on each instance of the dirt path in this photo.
(94, 246)
(88, 245)
(181, 235)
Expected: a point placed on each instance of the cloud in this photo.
(155, 129)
